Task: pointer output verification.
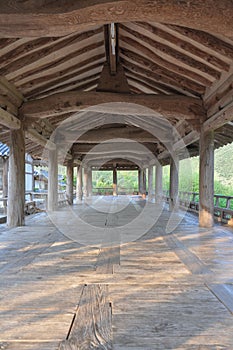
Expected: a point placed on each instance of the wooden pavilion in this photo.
(59, 60)
(99, 84)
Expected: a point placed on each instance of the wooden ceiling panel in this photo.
(158, 59)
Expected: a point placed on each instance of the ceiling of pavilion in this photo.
(160, 59)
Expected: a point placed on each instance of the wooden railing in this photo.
(34, 201)
(109, 190)
(223, 205)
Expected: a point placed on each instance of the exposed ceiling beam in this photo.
(83, 148)
(31, 19)
(101, 135)
(181, 107)
(39, 139)
(9, 120)
(220, 118)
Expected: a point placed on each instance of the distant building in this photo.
(29, 168)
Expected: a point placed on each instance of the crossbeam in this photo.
(34, 20)
(173, 106)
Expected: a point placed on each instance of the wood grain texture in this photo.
(50, 20)
(169, 106)
(92, 326)
(157, 45)
(16, 189)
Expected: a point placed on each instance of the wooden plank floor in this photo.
(166, 290)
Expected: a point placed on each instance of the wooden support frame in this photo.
(206, 181)
(150, 183)
(8, 120)
(174, 183)
(169, 106)
(70, 179)
(52, 181)
(210, 16)
(158, 183)
(16, 188)
(79, 184)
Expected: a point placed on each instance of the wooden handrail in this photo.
(223, 212)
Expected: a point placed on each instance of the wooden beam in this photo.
(34, 136)
(8, 106)
(100, 135)
(187, 140)
(13, 94)
(181, 107)
(86, 148)
(9, 120)
(220, 118)
(24, 20)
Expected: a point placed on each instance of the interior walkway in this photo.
(160, 290)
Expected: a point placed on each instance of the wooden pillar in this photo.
(150, 183)
(206, 179)
(114, 185)
(139, 181)
(79, 184)
(5, 182)
(144, 183)
(89, 182)
(159, 183)
(69, 182)
(85, 182)
(53, 181)
(16, 189)
(174, 183)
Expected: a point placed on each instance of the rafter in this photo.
(147, 68)
(160, 31)
(158, 46)
(133, 46)
(41, 66)
(40, 83)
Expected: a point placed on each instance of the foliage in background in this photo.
(189, 173)
(188, 177)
